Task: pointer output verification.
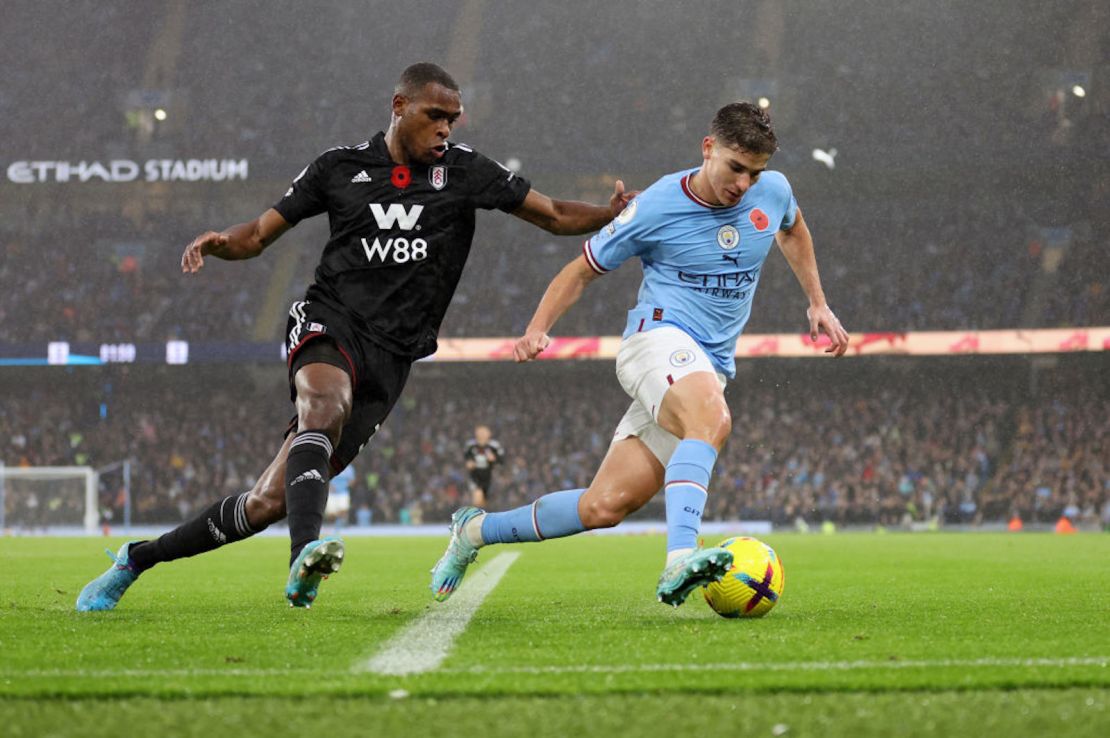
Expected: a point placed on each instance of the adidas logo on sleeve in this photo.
(361, 177)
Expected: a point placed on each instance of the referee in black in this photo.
(401, 207)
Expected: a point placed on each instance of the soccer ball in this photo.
(754, 583)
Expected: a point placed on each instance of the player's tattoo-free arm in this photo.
(571, 217)
(796, 244)
(563, 292)
(243, 241)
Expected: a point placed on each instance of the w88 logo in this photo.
(395, 250)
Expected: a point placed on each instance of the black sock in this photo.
(307, 472)
(224, 522)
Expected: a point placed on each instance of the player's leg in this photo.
(225, 521)
(324, 395)
(669, 373)
(694, 410)
(324, 400)
(477, 495)
(629, 476)
(381, 377)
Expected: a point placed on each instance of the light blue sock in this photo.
(686, 484)
(554, 515)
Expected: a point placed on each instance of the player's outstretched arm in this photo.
(243, 241)
(571, 217)
(563, 292)
(797, 245)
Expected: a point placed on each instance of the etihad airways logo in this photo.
(396, 216)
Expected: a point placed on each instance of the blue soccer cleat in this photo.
(316, 562)
(696, 569)
(448, 572)
(104, 592)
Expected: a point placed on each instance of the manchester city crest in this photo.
(682, 357)
(437, 176)
(728, 237)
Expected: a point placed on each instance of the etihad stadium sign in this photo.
(126, 170)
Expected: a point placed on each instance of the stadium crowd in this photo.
(103, 278)
(911, 452)
(914, 251)
(983, 267)
(924, 247)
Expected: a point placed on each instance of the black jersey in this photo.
(484, 458)
(400, 235)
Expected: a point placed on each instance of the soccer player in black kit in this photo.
(401, 207)
(483, 452)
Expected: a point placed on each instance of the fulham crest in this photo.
(437, 176)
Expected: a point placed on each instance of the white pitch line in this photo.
(425, 643)
(1028, 663)
(150, 673)
(1102, 661)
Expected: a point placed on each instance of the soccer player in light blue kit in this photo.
(702, 236)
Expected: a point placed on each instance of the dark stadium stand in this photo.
(982, 266)
(978, 210)
(814, 444)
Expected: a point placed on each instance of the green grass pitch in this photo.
(932, 634)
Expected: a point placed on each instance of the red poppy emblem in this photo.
(759, 219)
(401, 177)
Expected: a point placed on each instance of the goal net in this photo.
(54, 498)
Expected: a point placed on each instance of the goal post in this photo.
(49, 497)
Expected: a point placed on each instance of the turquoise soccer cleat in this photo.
(316, 562)
(696, 569)
(104, 592)
(448, 572)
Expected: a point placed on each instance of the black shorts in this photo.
(481, 481)
(318, 334)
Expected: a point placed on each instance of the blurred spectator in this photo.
(899, 454)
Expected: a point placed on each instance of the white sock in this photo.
(473, 531)
(672, 555)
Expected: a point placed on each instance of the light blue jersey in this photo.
(701, 262)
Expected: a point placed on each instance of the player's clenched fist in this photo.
(193, 258)
(530, 345)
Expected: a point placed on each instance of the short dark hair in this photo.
(417, 75)
(746, 126)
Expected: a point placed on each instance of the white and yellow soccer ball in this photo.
(752, 586)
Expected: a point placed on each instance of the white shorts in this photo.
(648, 364)
(338, 504)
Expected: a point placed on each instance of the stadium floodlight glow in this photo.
(1078, 91)
(764, 103)
(160, 114)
